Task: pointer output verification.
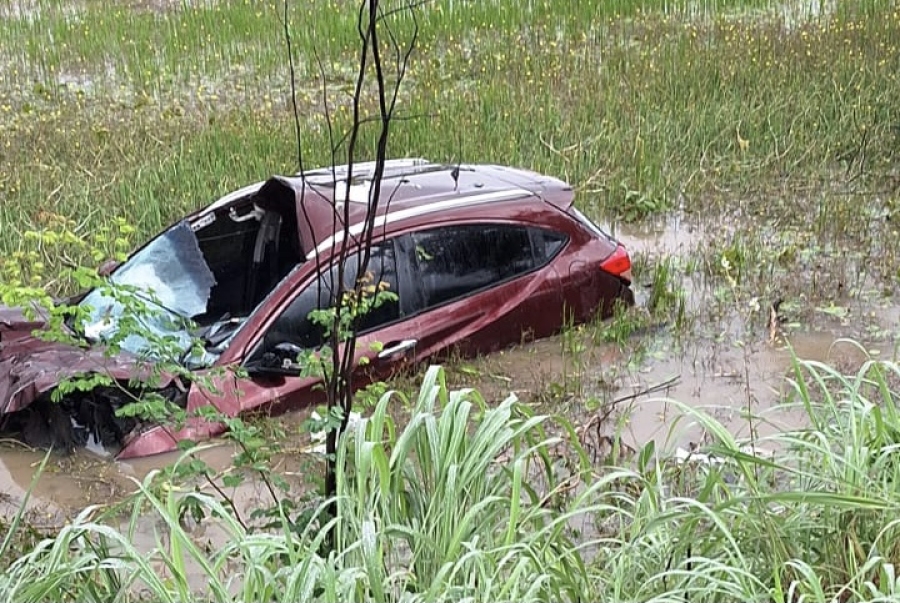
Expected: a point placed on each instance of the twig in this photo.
(567, 485)
(606, 411)
(650, 390)
(296, 110)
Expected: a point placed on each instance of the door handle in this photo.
(397, 348)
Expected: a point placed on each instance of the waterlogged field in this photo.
(747, 153)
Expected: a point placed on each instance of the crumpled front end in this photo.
(31, 369)
(19, 382)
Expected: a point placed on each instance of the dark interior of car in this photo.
(250, 247)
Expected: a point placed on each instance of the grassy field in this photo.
(145, 110)
(773, 126)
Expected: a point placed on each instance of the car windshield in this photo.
(165, 284)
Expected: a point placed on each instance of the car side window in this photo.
(547, 243)
(454, 261)
(381, 275)
(294, 325)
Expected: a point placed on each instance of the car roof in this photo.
(418, 182)
(410, 189)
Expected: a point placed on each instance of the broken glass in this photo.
(172, 283)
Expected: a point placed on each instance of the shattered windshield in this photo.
(164, 285)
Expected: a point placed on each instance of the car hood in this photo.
(14, 323)
(30, 366)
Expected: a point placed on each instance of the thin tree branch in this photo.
(287, 38)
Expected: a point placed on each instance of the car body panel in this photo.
(491, 320)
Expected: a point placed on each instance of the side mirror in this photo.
(279, 361)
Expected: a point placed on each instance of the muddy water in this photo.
(726, 364)
(722, 379)
(71, 483)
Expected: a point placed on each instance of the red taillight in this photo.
(618, 264)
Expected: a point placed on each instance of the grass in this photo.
(804, 515)
(398, 537)
(155, 109)
(770, 125)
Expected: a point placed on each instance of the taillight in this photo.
(618, 264)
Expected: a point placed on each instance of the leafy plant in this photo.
(447, 507)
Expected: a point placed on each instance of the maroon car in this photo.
(478, 256)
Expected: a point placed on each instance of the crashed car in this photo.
(478, 257)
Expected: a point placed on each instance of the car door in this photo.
(384, 341)
(386, 334)
(481, 287)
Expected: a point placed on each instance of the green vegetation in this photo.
(150, 109)
(775, 127)
(429, 513)
(770, 121)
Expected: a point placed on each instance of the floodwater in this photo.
(718, 362)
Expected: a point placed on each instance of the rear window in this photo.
(587, 223)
